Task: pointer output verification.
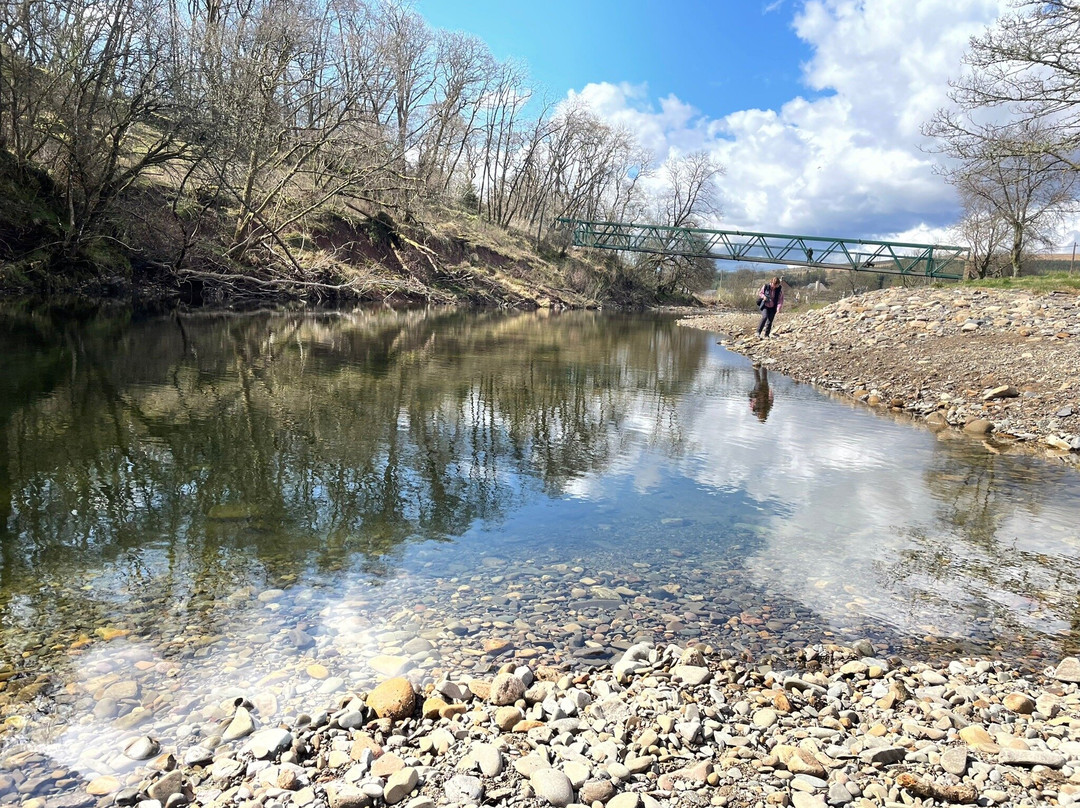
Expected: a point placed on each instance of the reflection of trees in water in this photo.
(327, 437)
(971, 562)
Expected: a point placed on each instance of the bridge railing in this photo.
(862, 255)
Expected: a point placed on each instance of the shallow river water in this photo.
(290, 507)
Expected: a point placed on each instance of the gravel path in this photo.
(1004, 365)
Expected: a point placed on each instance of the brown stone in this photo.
(1002, 391)
(506, 689)
(108, 633)
(978, 426)
(433, 707)
(169, 784)
(937, 420)
(394, 698)
(1068, 670)
(1019, 703)
(362, 741)
(526, 725)
(597, 791)
(102, 786)
(497, 645)
(480, 688)
(802, 762)
(781, 702)
(121, 690)
(506, 718)
(974, 735)
(386, 765)
(450, 710)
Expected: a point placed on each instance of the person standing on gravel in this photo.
(770, 300)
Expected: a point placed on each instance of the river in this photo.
(286, 507)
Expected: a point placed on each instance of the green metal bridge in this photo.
(861, 255)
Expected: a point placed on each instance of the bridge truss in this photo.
(861, 255)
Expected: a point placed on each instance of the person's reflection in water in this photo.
(761, 396)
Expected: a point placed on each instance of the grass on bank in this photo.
(1040, 284)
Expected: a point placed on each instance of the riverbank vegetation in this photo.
(315, 149)
(1039, 284)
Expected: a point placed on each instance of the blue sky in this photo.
(717, 56)
(814, 107)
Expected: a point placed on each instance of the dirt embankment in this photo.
(156, 253)
(1004, 365)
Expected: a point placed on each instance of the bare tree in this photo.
(691, 189)
(87, 92)
(292, 132)
(1003, 170)
(501, 137)
(407, 49)
(1028, 65)
(463, 70)
(985, 233)
(628, 199)
(690, 197)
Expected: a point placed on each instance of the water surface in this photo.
(291, 506)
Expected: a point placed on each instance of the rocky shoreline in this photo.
(663, 726)
(1001, 365)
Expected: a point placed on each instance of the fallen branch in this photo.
(965, 794)
(276, 283)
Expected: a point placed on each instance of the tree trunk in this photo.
(1017, 247)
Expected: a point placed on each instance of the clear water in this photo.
(182, 498)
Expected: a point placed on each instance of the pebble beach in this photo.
(662, 726)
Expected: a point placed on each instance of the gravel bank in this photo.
(1002, 365)
(663, 726)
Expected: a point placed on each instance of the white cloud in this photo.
(844, 161)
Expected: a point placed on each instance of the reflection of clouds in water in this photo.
(584, 487)
(848, 491)
(1039, 537)
(727, 448)
(826, 476)
(647, 476)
